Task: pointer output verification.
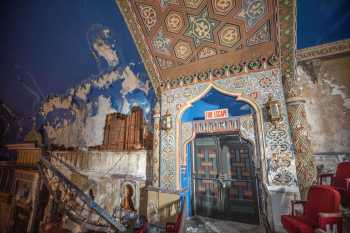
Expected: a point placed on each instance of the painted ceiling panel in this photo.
(322, 21)
(193, 35)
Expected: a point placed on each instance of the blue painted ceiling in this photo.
(46, 47)
(49, 48)
(322, 21)
(49, 40)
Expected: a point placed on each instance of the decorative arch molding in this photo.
(275, 142)
(240, 96)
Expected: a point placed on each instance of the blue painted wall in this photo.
(322, 21)
(55, 48)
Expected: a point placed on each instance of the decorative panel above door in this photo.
(178, 37)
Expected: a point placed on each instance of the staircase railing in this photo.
(77, 205)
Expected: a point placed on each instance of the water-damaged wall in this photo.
(326, 90)
(68, 78)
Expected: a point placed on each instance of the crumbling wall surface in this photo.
(106, 163)
(325, 84)
(106, 173)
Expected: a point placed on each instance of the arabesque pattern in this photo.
(278, 158)
(214, 31)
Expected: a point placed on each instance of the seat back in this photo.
(178, 221)
(343, 171)
(321, 199)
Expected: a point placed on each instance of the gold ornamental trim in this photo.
(136, 33)
(323, 50)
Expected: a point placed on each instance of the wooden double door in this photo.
(223, 178)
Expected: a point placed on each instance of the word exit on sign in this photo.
(216, 114)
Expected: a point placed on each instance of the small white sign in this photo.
(216, 114)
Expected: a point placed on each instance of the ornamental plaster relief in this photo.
(276, 150)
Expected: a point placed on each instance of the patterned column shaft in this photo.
(156, 135)
(305, 164)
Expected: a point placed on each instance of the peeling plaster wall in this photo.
(106, 173)
(78, 118)
(65, 87)
(326, 89)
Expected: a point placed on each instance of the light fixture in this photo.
(274, 110)
(166, 121)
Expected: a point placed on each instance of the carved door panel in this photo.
(207, 188)
(239, 194)
(224, 179)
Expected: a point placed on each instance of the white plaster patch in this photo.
(126, 106)
(94, 127)
(56, 102)
(132, 82)
(339, 90)
(106, 51)
(106, 80)
(83, 90)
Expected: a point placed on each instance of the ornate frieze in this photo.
(323, 50)
(225, 71)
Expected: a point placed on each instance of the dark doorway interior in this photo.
(224, 179)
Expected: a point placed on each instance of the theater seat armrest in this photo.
(347, 181)
(297, 202)
(170, 227)
(324, 175)
(319, 230)
(329, 219)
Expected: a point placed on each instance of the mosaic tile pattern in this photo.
(174, 22)
(193, 3)
(278, 157)
(161, 44)
(201, 28)
(165, 63)
(149, 16)
(223, 7)
(260, 36)
(182, 50)
(214, 30)
(247, 127)
(229, 35)
(252, 11)
(206, 52)
(166, 3)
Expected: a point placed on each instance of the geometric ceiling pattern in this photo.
(183, 36)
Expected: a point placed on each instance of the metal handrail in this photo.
(85, 198)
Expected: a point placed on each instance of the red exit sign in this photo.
(216, 114)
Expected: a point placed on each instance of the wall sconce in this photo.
(167, 121)
(274, 110)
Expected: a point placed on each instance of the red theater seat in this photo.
(320, 209)
(174, 227)
(340, 181)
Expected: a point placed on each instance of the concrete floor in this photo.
(208, 225)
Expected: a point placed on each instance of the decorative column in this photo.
(156, 136)
(305, 164)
